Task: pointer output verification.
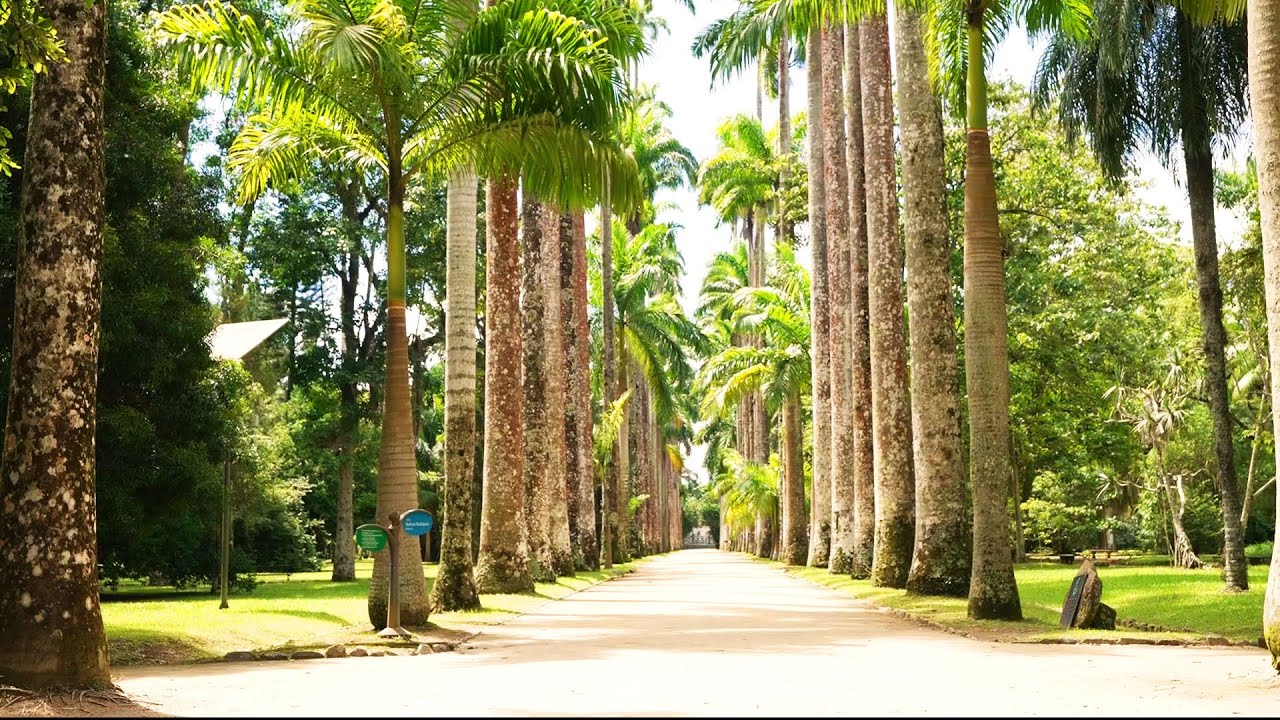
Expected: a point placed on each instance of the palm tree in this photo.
(750, 491)
(780, 368)
(891, 414)
(943, 557)
(580, 479)
(529, 81)
(820, 523)
(1153, 76)
(961, 36)
(455, 585)
(50, 622)
(1264, 100)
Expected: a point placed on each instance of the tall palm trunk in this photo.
(580, 476)
(794, 533)
(839, 285)
(455, 585)
(397, 464)
(1197, 153)
(993, 592)
(503, 565)
(612, 475)
(639, 427)
(820, 532)
(50, 618)
(784, 129)
(891, 413)
(864, 493)
(557, 382)
(1264, 101)
(540, 472)
(622, 526)
(943, 556)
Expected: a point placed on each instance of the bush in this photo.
(1258, 550)
(1060, 527)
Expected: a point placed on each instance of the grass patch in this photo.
(304, 610)
(1187, 605)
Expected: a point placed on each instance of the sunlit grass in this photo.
(1174, 599)
(301, 610)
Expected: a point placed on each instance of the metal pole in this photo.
(224, 562)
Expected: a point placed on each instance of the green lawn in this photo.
(1178, 600)
(306, 610)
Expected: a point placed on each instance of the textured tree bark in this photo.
(1181, 551)
(993, 591)
(640, 438)
(503, 565)
(455, 585)
(820, 533)
(344, 555)
(50, 620)
(609, 369)
(580, 476)
(556, 375)
(891, 410)
(622, 525)
(794, 533)
(1264, 101)
(943, 556)
(784, 127)
(397, 463)
(539, 496)
(344, 550)
(864, 501)
(1197, 153)
(840, 288)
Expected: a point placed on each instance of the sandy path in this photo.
(701, 632)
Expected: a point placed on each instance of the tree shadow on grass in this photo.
(308, 615)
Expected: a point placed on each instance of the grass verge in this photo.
(305, 610)
(1154, 605)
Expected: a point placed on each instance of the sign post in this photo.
(1072, 604)
(376, 538)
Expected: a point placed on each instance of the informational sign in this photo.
(417, 522)
(1072, 604)
(371, 537)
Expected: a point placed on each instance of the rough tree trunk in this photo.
(840, 289)
(580, 475)
(891, 410)
(943, 556)
(820, 532)
(503, 565)
(609, 363)
(50, 619)
(864, 500)
(557, 380)
(539, 496)
(455, 585)
(794, 532)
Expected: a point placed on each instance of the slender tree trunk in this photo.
(503, 565)
(1198, 156)
(622, 527)
(864, 501)
(820, 533)
(455, 585)
(784, 130)
(993, 592)
(943, 557)
(1251, 473)
(612, 476)
(50, 619)
(344, 556)
(1183, 555)
(1264, 101)
(397, 463)
(891, 410)
(577, 433)
(639, 427)
(840, 288)
(794, 533)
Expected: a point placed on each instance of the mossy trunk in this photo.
(503, 565)
(50, 619)
(840, 287)
(820, 530)
(455, 585)
(943, 557)
(891, 411)
(579, 467)
(539, 496)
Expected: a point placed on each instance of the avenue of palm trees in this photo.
(847, 367)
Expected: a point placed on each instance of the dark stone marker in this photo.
(1083, 607)
(1072, 603)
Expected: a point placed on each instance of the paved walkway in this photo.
(702, 632)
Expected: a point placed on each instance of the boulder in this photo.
(335, 651)
(358, 652)
(377, 653)
(306, 655)
(424, 649)
(239, 656)
(1105, 619)
(1083, 607)
(274, 656)
(441, 647)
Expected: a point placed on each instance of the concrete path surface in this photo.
(701, 632)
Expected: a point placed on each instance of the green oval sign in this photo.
(371, 537)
